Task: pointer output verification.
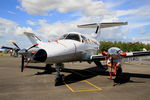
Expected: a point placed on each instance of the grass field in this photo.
(4, 54)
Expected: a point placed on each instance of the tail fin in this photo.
(32, 37)
(102, 25)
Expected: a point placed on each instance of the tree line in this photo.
(125, 46)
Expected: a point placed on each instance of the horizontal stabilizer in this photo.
(102, 25)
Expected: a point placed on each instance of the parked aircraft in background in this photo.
(5, 49)
(2, 50)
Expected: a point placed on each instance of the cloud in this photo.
(144, 31)
(10, 28)
(146, 42)
(144, 38)
(89, 11)
(7, 27)
(46, 30)
(53, 31)
(143, 11)
(57, 29)
(42, 7)
(138, 25)
(21, 30)
(11, 12)
(32, 23)
(126, 12)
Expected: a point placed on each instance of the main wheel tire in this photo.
(119, 71)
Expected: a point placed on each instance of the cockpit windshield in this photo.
(71, 37)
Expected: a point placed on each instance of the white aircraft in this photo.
(2, 50)
(70, 47)
(5, 49)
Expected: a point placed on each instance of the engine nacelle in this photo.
(114, 52)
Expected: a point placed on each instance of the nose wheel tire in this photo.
(101, 68)
(48, 69)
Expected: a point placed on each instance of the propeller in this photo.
(16, 45)
(22, 63)
(23, 52)
(32, 46)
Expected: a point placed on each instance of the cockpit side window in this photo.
(83, 38)
(73, 37)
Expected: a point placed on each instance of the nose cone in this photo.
(40, 56)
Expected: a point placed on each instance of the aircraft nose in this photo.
(40, 56)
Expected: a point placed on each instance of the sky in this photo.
(49, 19)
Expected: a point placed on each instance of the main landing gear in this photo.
(48, 68)
(101, 68)
(121, 77)
(58, 68)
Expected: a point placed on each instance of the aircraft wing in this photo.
(123, 54)
(102, 25)
(4, 47)
(136, 54)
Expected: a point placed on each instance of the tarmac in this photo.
(82, 81)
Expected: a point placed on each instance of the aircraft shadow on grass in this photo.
(83, 74)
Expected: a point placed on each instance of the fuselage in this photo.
(67, 50)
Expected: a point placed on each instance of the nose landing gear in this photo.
(48, 68)
(59, 77)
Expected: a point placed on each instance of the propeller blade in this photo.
(32, 46)
(22, 63)
(15, 45)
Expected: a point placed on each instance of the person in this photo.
(113, 64)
